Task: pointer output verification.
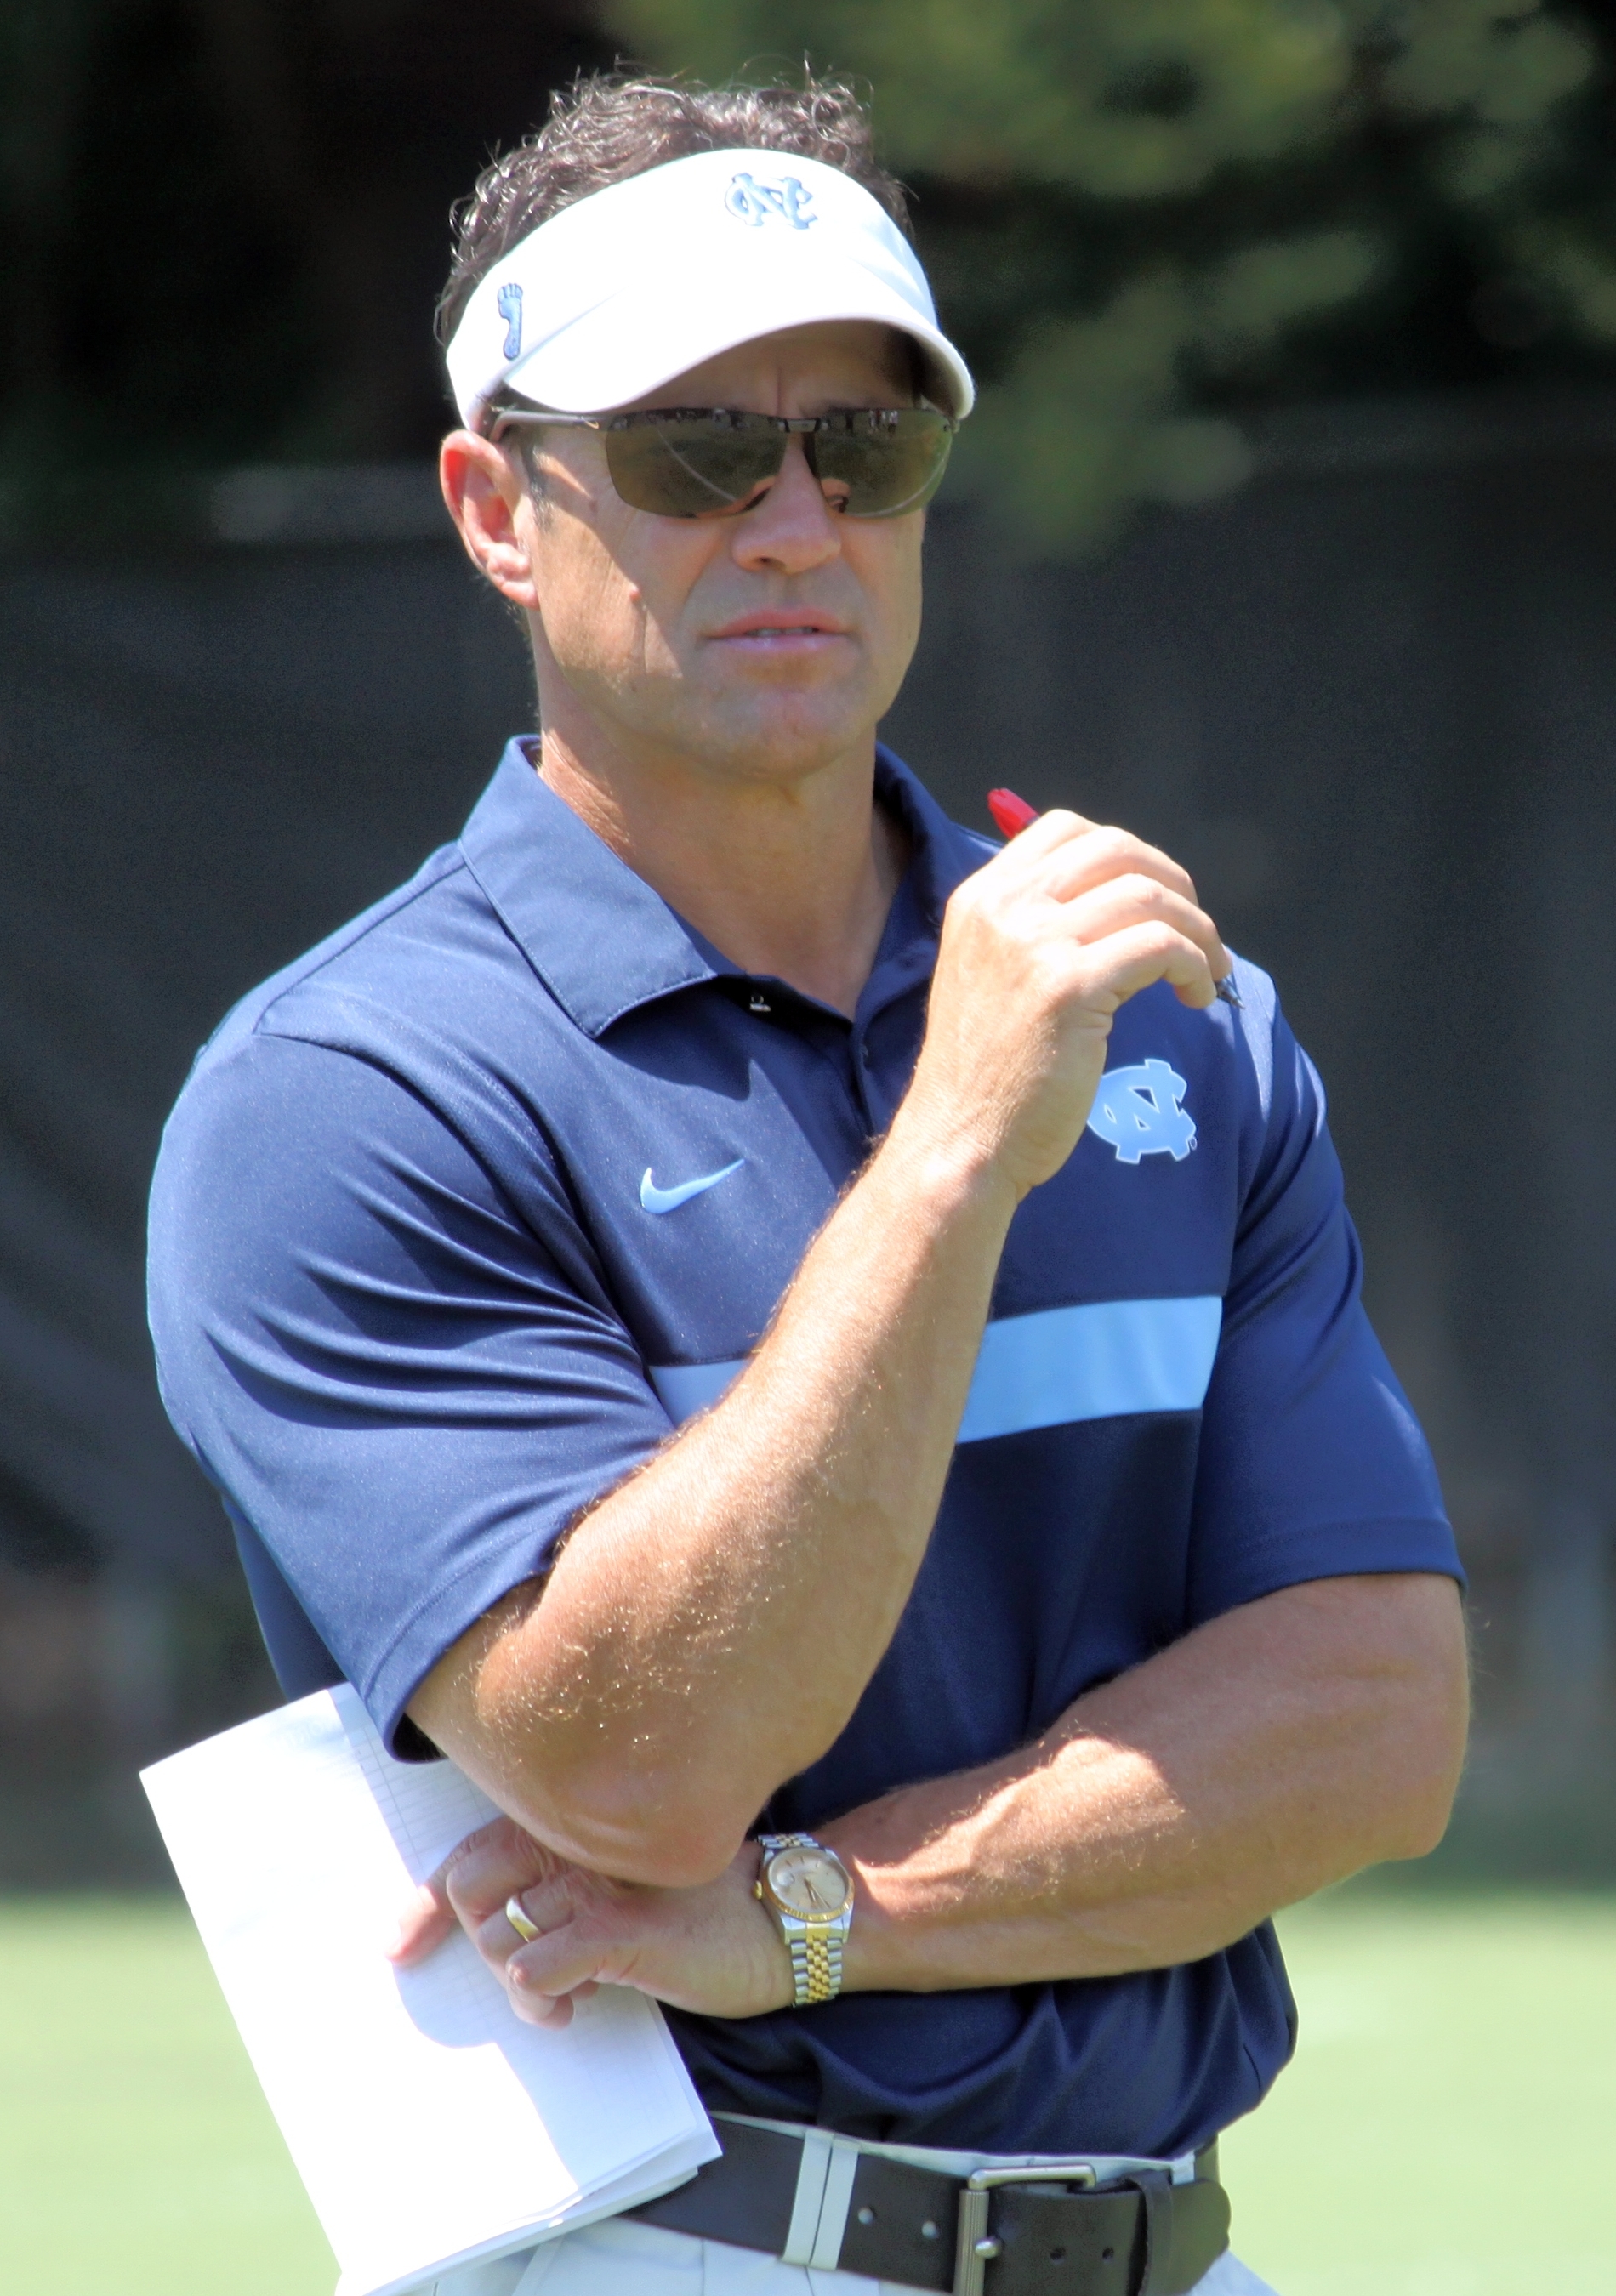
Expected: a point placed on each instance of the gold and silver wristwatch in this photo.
(809, 1892)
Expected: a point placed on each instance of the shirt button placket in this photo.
(864, 1065)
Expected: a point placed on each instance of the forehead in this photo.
(835, 359)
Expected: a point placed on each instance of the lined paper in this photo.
(429, 2124)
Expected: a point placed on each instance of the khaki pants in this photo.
(617, 2258)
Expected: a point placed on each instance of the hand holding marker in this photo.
(1012, 814)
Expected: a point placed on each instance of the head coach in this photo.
(813, 1355)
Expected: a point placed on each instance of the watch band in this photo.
(816, 1966)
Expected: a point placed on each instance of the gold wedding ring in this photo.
(526, 1930)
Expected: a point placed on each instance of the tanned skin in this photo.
(708, 692)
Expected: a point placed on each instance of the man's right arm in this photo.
(708, 1628)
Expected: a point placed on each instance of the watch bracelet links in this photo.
(815, 1968)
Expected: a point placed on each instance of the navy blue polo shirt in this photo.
(460, 1213)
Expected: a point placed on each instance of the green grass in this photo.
(138, 2157)
(1442, 2133)
(1445, 2130)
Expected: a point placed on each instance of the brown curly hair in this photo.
(609, 126)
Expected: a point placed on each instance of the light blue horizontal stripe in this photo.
(686, 1389)
(1100, 1361)
(1094, 1362)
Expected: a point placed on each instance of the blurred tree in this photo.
(1142, 213)
(223, 223)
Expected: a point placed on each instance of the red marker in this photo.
(1012, 814)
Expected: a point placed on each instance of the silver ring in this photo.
(526, 1930)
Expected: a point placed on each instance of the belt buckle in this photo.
(977, 2247)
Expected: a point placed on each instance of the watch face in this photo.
(809, 1884)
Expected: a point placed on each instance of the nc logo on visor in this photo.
(509, 299)
(783, 201)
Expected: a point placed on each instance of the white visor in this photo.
(641, 281)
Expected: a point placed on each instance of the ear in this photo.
(486, 494)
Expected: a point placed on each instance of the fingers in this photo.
(486, 1867)
(554, 2010)
(1107, 880)
(554, 2015)
(565, 1963)
(474, 1880)
(1140, 956)
(1064, 855)
(423, 1924)
(1081, 862)
(546, 1905)
(1048, 833)
(573, 1958)
(472, 1890)
(576, 1954)
(1122, 903)
(1069, 850)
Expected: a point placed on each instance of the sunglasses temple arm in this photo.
(509, 419)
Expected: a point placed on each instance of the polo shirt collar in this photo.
(599, 937)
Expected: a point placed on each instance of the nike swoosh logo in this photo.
(654, 1199)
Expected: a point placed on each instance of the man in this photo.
(818, 1360)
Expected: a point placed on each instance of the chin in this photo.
(796, 742)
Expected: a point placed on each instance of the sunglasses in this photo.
(683, 461)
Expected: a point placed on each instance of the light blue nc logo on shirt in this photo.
(1137, 1111)
(781, 199)
(654, 1199)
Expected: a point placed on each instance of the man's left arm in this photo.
(1270, 1752)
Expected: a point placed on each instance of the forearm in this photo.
(1267, 1754)
(709, 1628)
(660, 1682)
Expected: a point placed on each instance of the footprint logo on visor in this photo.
(509, 299)
(782, 201)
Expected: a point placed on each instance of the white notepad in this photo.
(430, 2125)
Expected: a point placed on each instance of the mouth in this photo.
(781, 626)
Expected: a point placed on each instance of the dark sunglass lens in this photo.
(890, 462)
(679, 465)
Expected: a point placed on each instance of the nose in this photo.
(790, 529)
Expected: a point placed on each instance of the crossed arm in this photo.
(708, 1629)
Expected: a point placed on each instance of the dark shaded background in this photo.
(223, 222)
(228, 221)
(246, 681)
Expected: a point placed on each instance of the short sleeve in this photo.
(405, 1386)
(1312, 1464)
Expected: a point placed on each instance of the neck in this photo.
(792, 879)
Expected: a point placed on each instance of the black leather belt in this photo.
(1048, 2231)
